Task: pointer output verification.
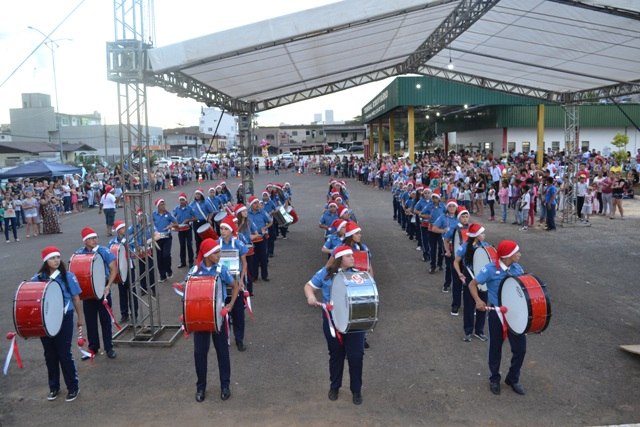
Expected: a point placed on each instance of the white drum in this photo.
(231, 259)
(354, 297)
(91, 274)
(460, 236)
(528, 304)
(483, 256)
(120, 252)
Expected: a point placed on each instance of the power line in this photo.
(47, 37)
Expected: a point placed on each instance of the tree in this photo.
(620, 141)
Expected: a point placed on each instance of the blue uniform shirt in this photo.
(463, 249)
(107, 257)
(260, 218)
(70, 289)
(270, 206)
(434, 211)
(245, 234)
(492, 277)
(448, 222)
(201, 209)
(225, 277)
(320, 281)
(162, 222)
(333, 241)
(182, 215)
(327, 218)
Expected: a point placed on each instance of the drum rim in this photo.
(15, 299)
(543, 287)
(125, 270)
(375, 295)
(486, 250)
(93, 285)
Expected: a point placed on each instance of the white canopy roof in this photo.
(561, 50)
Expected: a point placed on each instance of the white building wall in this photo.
(209, 120)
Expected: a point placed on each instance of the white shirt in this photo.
(525, 201)
(108, 201)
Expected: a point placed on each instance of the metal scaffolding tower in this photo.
(571, 160)
(127, 65)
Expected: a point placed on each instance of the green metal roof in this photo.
(421, 91)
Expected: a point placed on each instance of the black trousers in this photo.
(57, 355)
(93, 310)
(201, 345)
(186, 246)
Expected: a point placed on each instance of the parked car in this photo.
(339, 150)
(356, 147)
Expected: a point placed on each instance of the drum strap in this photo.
(200, 210)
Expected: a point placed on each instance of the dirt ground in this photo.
(418, 370)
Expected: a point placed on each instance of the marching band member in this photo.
(270, 206)
(353, 239)
(227, 194)
(328, 217)
(247, 232)
(142, 235)
(415, 214)
(184, 214)
(492, 275)
(208, 265)
(203, 212)
(228, 231)
(430, 213)
(57, 349)
(353, 342)
(124, 288)
(473, 320)
(263, 221)
(444, 226)
(424, 223)
(164, 222)
(335, 239)
(94, 308)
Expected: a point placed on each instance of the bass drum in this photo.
(38, 309)
(483, 256)
(202, 303)
(91, 274)
(120, 252)
(354, 296)
(460, 236)
(527, 302)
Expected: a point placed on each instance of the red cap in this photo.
(342, 210)
(252, 200)
(88, 233)
(108, 189)
(461, 211)
(118, 225)
(158, 201)
(506, 249)
(239, 208)
(475, 230)
(228, 223)
(452, 202)
(341, 251)
(182, 196)
(352, 228)
(338, 224)
(207, 247)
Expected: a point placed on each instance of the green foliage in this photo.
(620, 141)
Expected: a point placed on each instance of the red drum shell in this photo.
(122, 261)
(206, 231)
(528, 304)
(183, 227)
(90, 274)
(294, 215)
(38, 309)
(361, 260)
(201, 304)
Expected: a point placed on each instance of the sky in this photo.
(80, 58)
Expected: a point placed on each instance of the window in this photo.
(294, 133)
(555, 146)
(308, 133)
(584, 145)
(511, 146)
(488, 146)
(526, 146)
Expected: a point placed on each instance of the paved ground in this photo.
(418, 371)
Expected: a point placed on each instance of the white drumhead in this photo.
(457, 241)
(123, 266)
(480, 260)
(98, 275)
(513, 297)
(52, 308)
(203, 227)
(218, 304)
(220, 216)
(340, 301)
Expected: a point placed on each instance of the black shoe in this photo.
(454, 311)
(432, 271)
(124, 319)
(111, 354)
(333, 394)
(53, 395)
(225, 394)
(517, 387)
(357, 398)
(366, 343)
(266, 280)
(270, 255)
(181, 266)
(71, 396)
(200, 395)
(241, 346)
(495, 388)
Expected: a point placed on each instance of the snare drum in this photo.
(206, 231)
(38, 309)
(528, 304)
(120, 252)
(361, 260)
(202, 303)
(279, 216)
(183, 227)
(293, 213)
(91, 274)
(483, 256)
(220, 216)
(231, 259)
(354, 296)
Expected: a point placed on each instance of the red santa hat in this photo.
(462, 211)
(252, 200)
(342, 210)
(118, 225)
(506, 249)
(239, 208)
(452, 202)
(199, 190)
(341, 251)
(338, 224)
(212, 189)
(88, 233)
(265, 192)
(435, 194)
(207, 247)
(139, 212)
(475, 230)
(332, 203)
(182, 196)
(108, 189)
(158, 201)
(352, 228)
(228, 223)
(49, 252)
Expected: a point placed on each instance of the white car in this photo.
(339, 150)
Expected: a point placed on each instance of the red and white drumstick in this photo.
(326, 308)
(500, 311)
(113, 318)
(81, 342)
(13, 348)
(225, 314)
(182, 328)
(178, 289)
(247, 302)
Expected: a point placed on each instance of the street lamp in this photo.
(52, 45)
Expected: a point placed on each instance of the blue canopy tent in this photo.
(40, 168)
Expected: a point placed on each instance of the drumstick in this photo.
(502, 309)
